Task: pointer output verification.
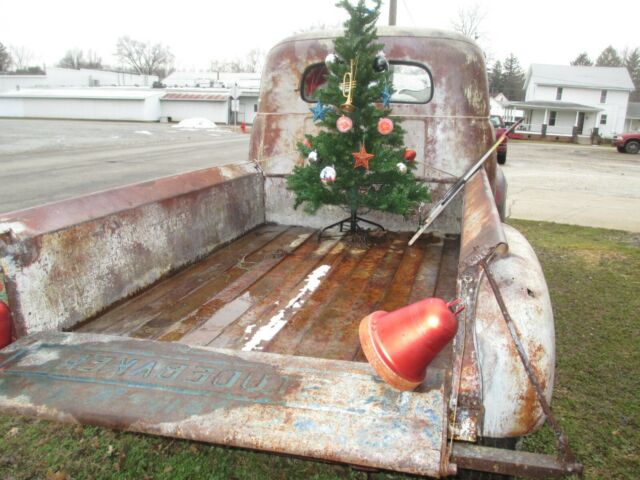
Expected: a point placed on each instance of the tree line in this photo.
(134, 56)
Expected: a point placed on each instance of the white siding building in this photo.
(86, 104)
(68, 77)
(564, 100)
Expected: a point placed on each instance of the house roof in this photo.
(552, 105)
(94, 93)
(609, 78)
(633, 110)
(195, 97)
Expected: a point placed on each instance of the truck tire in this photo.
(632, 147)
(502, 158)
(506, 443)
(621, 149)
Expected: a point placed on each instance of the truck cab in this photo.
(203, 306)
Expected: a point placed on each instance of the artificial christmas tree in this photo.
(360, 147)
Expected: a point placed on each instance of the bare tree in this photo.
(145, 58)
(469, 22)
(5, 58)
(76, 58)
(22, 57)
(255, 59)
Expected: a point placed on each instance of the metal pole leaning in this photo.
(459, 185)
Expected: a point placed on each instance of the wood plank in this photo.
(266, 318)
(335, 333)
(274, 290)
(149, 303)
(298, 326)
(226, 286)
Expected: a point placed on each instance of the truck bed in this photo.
(279, 289)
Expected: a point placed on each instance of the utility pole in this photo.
(393, 9)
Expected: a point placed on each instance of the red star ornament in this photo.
(362, 157)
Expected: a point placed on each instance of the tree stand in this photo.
(353, 224)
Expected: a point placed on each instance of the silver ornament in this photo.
(402, 168)
(313, 156)
(330, 59)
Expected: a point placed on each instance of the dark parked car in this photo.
(627, 142)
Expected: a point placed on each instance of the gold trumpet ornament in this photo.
(348, 85)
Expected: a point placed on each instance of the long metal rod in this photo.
(459, 185)
(563, 442)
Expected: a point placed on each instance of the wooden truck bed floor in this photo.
(278, 289)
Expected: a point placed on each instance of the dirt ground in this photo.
(575, 184)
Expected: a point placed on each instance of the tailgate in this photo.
(325, 409)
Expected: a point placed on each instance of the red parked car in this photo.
(627, 142)
(500, 127)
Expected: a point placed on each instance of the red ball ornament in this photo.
(385, 126)
(409, 155)
(344, 124)
(5, 325)
(306, 143)
(400, 345)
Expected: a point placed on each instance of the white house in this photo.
(499, 105)
(563, 100)
(632, 123)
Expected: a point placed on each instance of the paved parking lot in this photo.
(43, 161)
(575, 184)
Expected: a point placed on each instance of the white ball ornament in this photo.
(313, 156)
(328, 175)
(402, 168)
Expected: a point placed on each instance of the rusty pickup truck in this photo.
(203, 306)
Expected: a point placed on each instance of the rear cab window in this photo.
(412, 82)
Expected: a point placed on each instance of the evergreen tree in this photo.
(496, 78)
(609, 58)
(383, 185)
(582, 60)
(632, 62)
(5, 58)
(513, 79)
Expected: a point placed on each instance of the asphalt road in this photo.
(580, 185)
(43, 161)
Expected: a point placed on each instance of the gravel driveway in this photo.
(581, 185)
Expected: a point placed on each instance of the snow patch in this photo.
(16, 227)
(196, 123)
(143, 132)
(278, 321)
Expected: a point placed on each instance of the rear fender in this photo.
(511, 408)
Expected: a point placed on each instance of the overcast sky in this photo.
(539, 31)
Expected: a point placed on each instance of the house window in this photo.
(559, 93)
(603, 119)
(255, 107)
(603, 96)
(552, 118)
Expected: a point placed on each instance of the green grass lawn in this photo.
(594, 279)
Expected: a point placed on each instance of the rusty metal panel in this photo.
(69, 260)
(449, 133)
(326, 409)
(482, 231)
(511, 462)
(511, 406)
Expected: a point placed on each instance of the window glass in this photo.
(603, 96)
(603, 120)
(412, 83)
(559, 93)
(552, 119)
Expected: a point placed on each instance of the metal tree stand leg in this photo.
(353, 224)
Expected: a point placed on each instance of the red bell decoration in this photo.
(5, 325)
(401, 344)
